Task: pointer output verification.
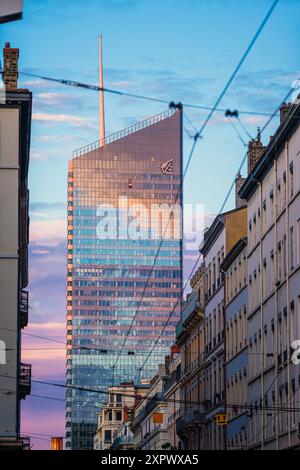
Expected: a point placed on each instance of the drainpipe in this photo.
(276, 301)
(287, 255)
(261, 313)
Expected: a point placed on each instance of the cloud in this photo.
(36, 207)
(48, 232)
(64, 118)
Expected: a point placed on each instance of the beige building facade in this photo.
(272, 191)
(15, 125)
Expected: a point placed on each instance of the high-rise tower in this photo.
(109, 262)
(121, 192)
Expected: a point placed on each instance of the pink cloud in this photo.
(66, 118)
(48, 232)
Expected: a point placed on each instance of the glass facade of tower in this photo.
(120, 212)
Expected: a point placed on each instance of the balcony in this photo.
(25, 380)
(191, 307)
(180, 428)
(179, 328)
(23, 308)
(25, 442)
(123, 442)
(193, 417)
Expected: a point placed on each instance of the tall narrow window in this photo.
(292, 248)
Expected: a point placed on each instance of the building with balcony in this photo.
(234, 267)
(15, 129)
(272, 192)
(172, 396)
(190, 334)
(114, 417)
(219, 239)
(150, 417)
(117, 269)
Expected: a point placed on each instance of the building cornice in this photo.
(233, 253)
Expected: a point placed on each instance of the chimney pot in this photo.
(255, 151)
(10, 69)
(284, 110)
(239, 181)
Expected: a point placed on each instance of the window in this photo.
(292, 248)
(291, 179)
(119, 398)
(107, 436)
(118, 415)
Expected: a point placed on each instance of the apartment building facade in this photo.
(150, 418)
(225, 231)
(173, 396)
(272, 191)
(190, 333)
(234, 267)
(15, 127)
(113, 417)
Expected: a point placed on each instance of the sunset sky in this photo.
(171, 49)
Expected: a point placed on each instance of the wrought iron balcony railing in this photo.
(25, 380)
(23, 308)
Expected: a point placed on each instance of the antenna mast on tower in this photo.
(101, 95)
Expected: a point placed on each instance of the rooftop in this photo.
(124, 132)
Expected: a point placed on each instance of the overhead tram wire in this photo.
(236, 131)
(220, 211)
(167, 400)
(245, 156)
(272, 419)
(76, 84)
(199, 135)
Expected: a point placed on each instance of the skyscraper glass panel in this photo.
(121, 211)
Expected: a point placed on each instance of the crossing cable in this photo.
(273, 417)
(222, 207)
(245, 156)
(159, 398)
(236, 130)
(76, 84)
(199, 135)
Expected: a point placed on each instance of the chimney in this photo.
(167, 364)
(284, 110)
(174, 350)
(239, 202)
(255, 151)
(10, 71)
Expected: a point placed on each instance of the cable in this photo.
(229, 192)
(244, 127)
(197, 136)
(161, 398)
(237, 131)
(273, 417)
(132, 95)
(245, 156)
(170, 315)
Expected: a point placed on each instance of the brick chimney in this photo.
(167, 364)
(284, 110)
(10, 70)
(239, 202)
(174, 350)
(255, 151)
